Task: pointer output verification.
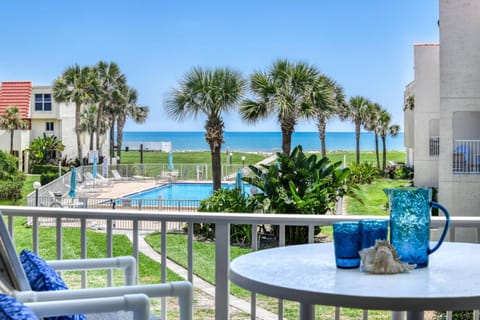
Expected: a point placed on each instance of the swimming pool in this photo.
(180, 191)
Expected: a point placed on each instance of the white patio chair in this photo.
(138, 304)
(13, 279)
(64, 200)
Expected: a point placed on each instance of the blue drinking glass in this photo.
(372, 230)
(346, 240)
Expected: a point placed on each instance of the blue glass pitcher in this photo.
(410, 224)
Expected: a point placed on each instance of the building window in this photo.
(43, 102)
(434, 145)
(49, 126)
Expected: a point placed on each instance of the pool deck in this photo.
(118, 189)
(121, 188)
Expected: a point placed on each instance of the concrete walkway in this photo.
(198, 283)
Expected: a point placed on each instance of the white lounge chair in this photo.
(117, 176)
(99, 180)
(14, 279)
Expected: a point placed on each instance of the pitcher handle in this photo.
(445, 228)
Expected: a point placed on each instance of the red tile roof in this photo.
(16, 93)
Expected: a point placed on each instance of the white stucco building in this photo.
(442, 131)
(45, 116)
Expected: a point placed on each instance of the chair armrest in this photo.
(181, 289)
(127, 263)
(139, 304)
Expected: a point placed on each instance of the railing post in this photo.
(222, 260)
(135, 236)
(190, 236)
(109, 252)
(35, 234)
(83, 248)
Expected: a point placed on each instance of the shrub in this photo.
(8, 167)
(300, 184)
(226, 200)
(46, 178)
(12, 190)
(44, 149)
(456, 315)
(403, 172)
(363, 173)
(11, 180)
(39, 169)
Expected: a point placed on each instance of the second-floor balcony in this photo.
(63, 221)
(466, 156)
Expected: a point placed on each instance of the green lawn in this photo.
(366, 156)
(373, 199)
(202, 157)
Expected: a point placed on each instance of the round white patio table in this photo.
(307, 274)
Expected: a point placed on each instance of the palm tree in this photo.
(88, 123)
(111, 81)
(327, 97)
(129, 109)
(11, 120)
(210, 93)
(371, 124)
(356, 110)
(79, 86)
(385, 128)
(283, 90)
(112, 110)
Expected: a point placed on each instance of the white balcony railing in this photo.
(466, 156)
(222, 222)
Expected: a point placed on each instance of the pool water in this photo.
(181, 191)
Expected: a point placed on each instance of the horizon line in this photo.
(247, 131)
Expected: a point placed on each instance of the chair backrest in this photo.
(89, 175)
(12, 274)
(116, 174)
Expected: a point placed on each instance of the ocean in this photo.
(256, 141)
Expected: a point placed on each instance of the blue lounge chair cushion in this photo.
(42, 277)
(11, 309)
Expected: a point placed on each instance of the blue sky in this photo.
(366, 46)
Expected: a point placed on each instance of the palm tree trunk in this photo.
(98, 126)
(214, 137)
(112, 138)
(78, 132)
(321, 125)
(91, 141)
(216, 166)
(384, 145)
(286, 143)
(376, 150)
(357, 140)
(120, 126)
(287, 126)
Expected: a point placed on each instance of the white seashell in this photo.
(383, 258)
